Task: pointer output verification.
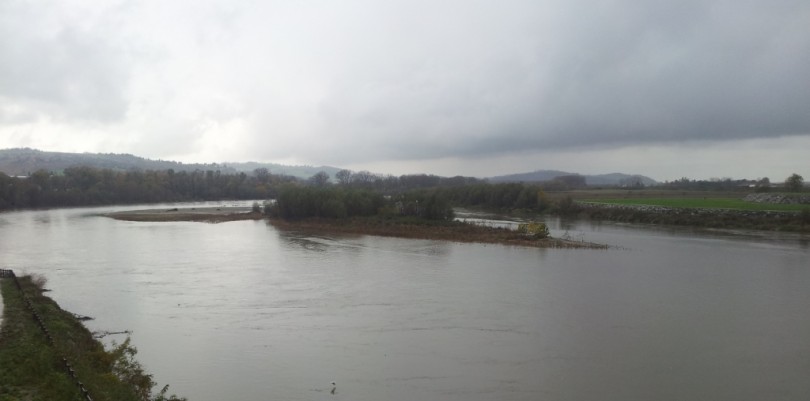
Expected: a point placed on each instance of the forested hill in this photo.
(25, 161)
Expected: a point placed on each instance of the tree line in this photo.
(354, 194)
(426, 195)
(82, 186)
(793, 183)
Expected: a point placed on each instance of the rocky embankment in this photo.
(698, 217)
(785, 199)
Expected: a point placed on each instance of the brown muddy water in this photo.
(241, 311)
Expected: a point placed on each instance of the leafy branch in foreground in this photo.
(131, 372)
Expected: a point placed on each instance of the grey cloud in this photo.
(732, 74)
(364, 81)
(651, 72)
(54, 66)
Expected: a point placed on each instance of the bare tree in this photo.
(344, 177)
(320, 179)
(262, 174)
(363, 178)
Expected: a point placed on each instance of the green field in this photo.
(705, 203)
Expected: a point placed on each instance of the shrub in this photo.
(39, 281)
(567, 206)
(534, 229)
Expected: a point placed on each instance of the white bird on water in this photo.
(334, 387)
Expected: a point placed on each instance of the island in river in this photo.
(388, 227)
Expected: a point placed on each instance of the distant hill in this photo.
(275, 168)
(535, 176)
(24, 161)
(618, 179)
(591, 180)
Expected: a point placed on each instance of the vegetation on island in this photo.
(32, 368)
(296, 202)
(423, 214)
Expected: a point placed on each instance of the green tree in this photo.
(763, 185)
(794, 183)
(436, 207)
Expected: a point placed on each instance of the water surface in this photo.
(243, 311)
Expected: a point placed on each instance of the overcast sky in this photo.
(668, 89)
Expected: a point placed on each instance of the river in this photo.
(242, 311)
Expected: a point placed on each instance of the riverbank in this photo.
(47, 354)
(766, 220)
(444, 231)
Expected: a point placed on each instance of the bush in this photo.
(39, 281)
(567, 206)
(534, 229)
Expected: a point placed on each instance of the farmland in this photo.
(701, 203)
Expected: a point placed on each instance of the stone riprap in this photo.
(785, 199)
(686, 211)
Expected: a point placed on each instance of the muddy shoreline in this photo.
(199, 214)
(455, 232)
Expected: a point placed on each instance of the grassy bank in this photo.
(425, 229)
(32, 365)
(648, 193)
(702, 203)
(722, 218)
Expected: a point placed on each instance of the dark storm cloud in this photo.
(363, 81)
(718, 71)
(612, 74)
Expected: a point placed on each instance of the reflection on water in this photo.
(243, 311)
